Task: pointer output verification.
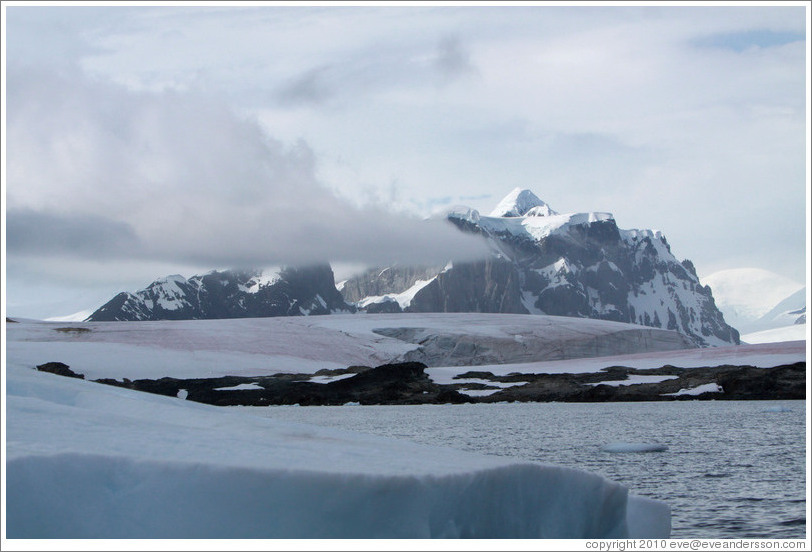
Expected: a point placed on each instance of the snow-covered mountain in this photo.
(754, 299)
(790, 311)
(542, 262)
(230, 294)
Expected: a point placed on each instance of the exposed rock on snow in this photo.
(59, 369)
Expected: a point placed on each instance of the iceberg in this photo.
(85, 460)
(634, 447)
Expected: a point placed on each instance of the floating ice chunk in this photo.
(634, 447)
(182, 394)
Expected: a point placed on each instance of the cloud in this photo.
(750, 39)
(97, 169)
(625, 109)
(452, 60)
(38, 233)
(308, 88)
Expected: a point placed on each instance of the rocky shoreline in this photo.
(408, 383)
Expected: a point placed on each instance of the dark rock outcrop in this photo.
(785, 382)
(407, 383)
(402, 383)
(60, 369)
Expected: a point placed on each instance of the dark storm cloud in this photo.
(177, 177)
(37, 233)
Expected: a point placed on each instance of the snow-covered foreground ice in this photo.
(85, 460)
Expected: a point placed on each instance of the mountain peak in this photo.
(520, 202)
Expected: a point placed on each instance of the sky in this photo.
(142, 141)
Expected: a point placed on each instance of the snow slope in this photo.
(264, 346)
(520, 202)
(85, 460)
(794, 332)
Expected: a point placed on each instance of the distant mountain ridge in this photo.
(230, 294)
(541, 262)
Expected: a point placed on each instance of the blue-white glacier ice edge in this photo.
(86, 460)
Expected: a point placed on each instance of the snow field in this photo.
(796, 332)
(266, 346)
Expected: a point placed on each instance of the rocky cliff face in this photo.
(230, 294)
(578, 264)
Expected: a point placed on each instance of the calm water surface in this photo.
(733, 469)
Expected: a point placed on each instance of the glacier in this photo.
(85, 460)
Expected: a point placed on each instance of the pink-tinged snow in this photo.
(197, 348)
(765, 355)
(517, 326)
(85, 460)
(264, 346)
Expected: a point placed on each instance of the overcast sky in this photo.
(145, 141)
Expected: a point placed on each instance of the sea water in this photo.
(731, 469)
